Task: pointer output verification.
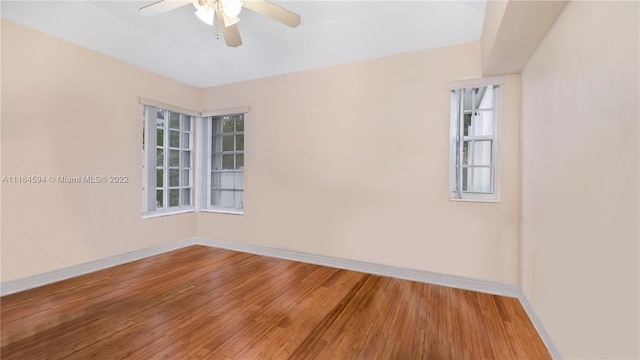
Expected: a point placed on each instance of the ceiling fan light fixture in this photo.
(231, 8)
(206, 16)
(204, 11)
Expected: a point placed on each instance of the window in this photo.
(168, 161)
(225, 165)
(473, 151)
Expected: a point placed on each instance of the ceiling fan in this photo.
(226, 13)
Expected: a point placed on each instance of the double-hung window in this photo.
(168, 161)
(473, 153)
(224, 165)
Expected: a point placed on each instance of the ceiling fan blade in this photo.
(273, 11)
(162, 6)
(231, 33)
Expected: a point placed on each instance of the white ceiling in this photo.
(180, 46)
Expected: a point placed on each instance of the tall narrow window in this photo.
(168, 161)
(473, 154)
(225, 166)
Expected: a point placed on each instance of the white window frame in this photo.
(149, 185)
(207, 146)
(457, 140)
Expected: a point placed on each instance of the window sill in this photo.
(494, 201)
(223, 211)
(166, 213)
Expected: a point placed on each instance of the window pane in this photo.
(227, 186)
(185, 199)
(227, 180)
(227, 143)
(185, 159)
(217, 126)
(159, 157)
(174, 120)
(467, 99)
(240, 123)
(216, 146)
(466, 179)
(216, 162)
(240, 142)
(159, 177)
(184, 180)
(482, 180)
(160, 137)
(174, 177)
(238, 197)
(467, 124)
(238, 181)
(465, 153)
(174, 158)
(472, 142)
(478, 98)
(226, 199)
(216, 180)
(174, 138)
(186, 122)
(482, 153)
(174, 197)
(485, 98)
(483, 123)
(221, 198)
(159, 199)
(215, 197)
(185, 140)
(227, 124)
(227, 162)
(240, 161)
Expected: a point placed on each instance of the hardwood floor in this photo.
(206, 303)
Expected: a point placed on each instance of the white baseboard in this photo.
(489, 287)
(537, 324)
(459, 282)
(14, 286)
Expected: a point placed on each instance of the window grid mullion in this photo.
(461, 143)
(472, 124)
(165, 161)
(494, 143)
(210, 157)
(180, 135)
(478, 110)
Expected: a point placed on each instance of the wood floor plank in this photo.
(206, 303)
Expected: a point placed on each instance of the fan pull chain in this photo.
(217, 29)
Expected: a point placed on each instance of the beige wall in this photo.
(493, 15)
(70, 111)
(1, 173)
(352, 161)
(349, 161)
(580, 217)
